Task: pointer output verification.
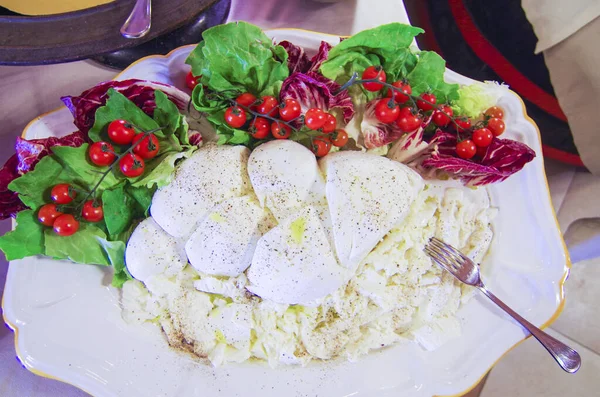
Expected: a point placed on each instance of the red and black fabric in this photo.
(493, 40)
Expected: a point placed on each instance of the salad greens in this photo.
(386, 45)
(125, 201)
(26, 240)
(239, 56)
(473, 100)
(390, 47)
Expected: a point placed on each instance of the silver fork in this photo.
(467, 271)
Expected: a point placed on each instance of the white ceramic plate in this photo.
(68, 326)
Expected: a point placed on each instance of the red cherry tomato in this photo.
(268, 105)
(373, 72)
(314, 118)
(387, 111)
(121, 132)
(482, 137)
(466, 149)
(463, 122)
(427, 103)
(496, 125)
(495, 111)
(66, 225)
(440, 116)
(259, 128)
(320, 147)
(339, 138)
(400, 95)
(101, 153)
(330, 123)
(48, 214)
(132, 165)
(63, 193)
(246, 99)
(91, 213)
(235, 116)
(280, 130)
(407, 121)
(146, 146)
(192, 81)
(289, 110)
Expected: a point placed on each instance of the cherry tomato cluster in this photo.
(482, 135)
(390, 110)
(394, 107)
(325, 123)
(267, 117)
(65, 224)
(131, 164)
(263, 117)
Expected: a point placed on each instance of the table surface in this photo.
(26, 92)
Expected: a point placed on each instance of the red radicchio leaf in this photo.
(298, 61)
(28, 154)
(503, 158)
(320, 57)
(10, 204)
(411, 146)
(195, 137)
(312, 90)
(140, 92)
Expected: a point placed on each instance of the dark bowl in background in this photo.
(94, 32)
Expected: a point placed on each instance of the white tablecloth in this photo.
(26, 92)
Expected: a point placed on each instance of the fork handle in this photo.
(566, 357)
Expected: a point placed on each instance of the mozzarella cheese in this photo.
(151, 251)
(285, 177)
(367, 195)
(211, 175)
(342, 273)
(224, 242)
(293, 263)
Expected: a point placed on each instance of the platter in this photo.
(85, 342)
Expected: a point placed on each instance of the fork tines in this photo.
(439, 256)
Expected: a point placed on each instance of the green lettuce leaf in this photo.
(143, 197)
(75, 162)
(167, 115)
(238, 56)
(386, 45)
(118, 107)
(26, 240)
(428, 75)
(203, 102)
(120, 275)
(67, 165)
(34, 187)
(119, 209)
(88, 246)
(159, 172)
(473, 100)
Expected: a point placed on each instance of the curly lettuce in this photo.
(238, 56)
